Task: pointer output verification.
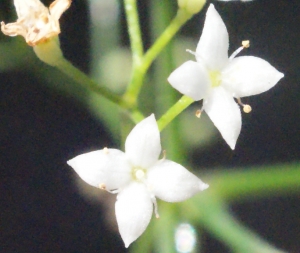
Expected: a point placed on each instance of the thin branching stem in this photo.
(69, 69)
(174, 111)
(216, 218)
(138, 75)
(134, 31)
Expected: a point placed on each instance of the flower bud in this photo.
(191, 6)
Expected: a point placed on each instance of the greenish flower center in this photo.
(215, 78)
(138, 174)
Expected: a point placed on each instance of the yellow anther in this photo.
(247, 108)
(198, 113)
(105, 150)
(246, 43)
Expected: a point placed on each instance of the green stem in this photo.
(66, 67)
(180, 19)
(137, 50)
(145, 243)
(134, 31)
(165, 95)
(136, 116)
(256, 182)
(164, 228)
(138, 75)
(176, 109)
(207, 210)
(219, 222)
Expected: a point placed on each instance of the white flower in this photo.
(137, 176)
(36, 23)
(217, 79)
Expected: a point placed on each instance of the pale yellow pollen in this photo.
(105, 150)
(246, 43)
(198, 113)
(247, 108)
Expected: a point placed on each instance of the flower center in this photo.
(215, 78)
(138, 173)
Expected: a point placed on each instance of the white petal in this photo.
(58, 7)
(142, 145)
(26, 8)
(191, 79)
(249, 75)
(225, 114)
(171, 182)
(214, 42)
(106, 168)
(133, 211)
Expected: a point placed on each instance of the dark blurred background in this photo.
(42, 209)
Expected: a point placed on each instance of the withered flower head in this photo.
(36, 23)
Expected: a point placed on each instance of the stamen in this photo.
(105, 150)
(164, 154)
(245, 44)
(103, 187)
(236, 52)
(246, 108)
(113, 191)
(155, 206)
(191, 52)
(198, 114)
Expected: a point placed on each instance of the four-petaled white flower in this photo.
(137, 176)
(36, 23)
(217, 79)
